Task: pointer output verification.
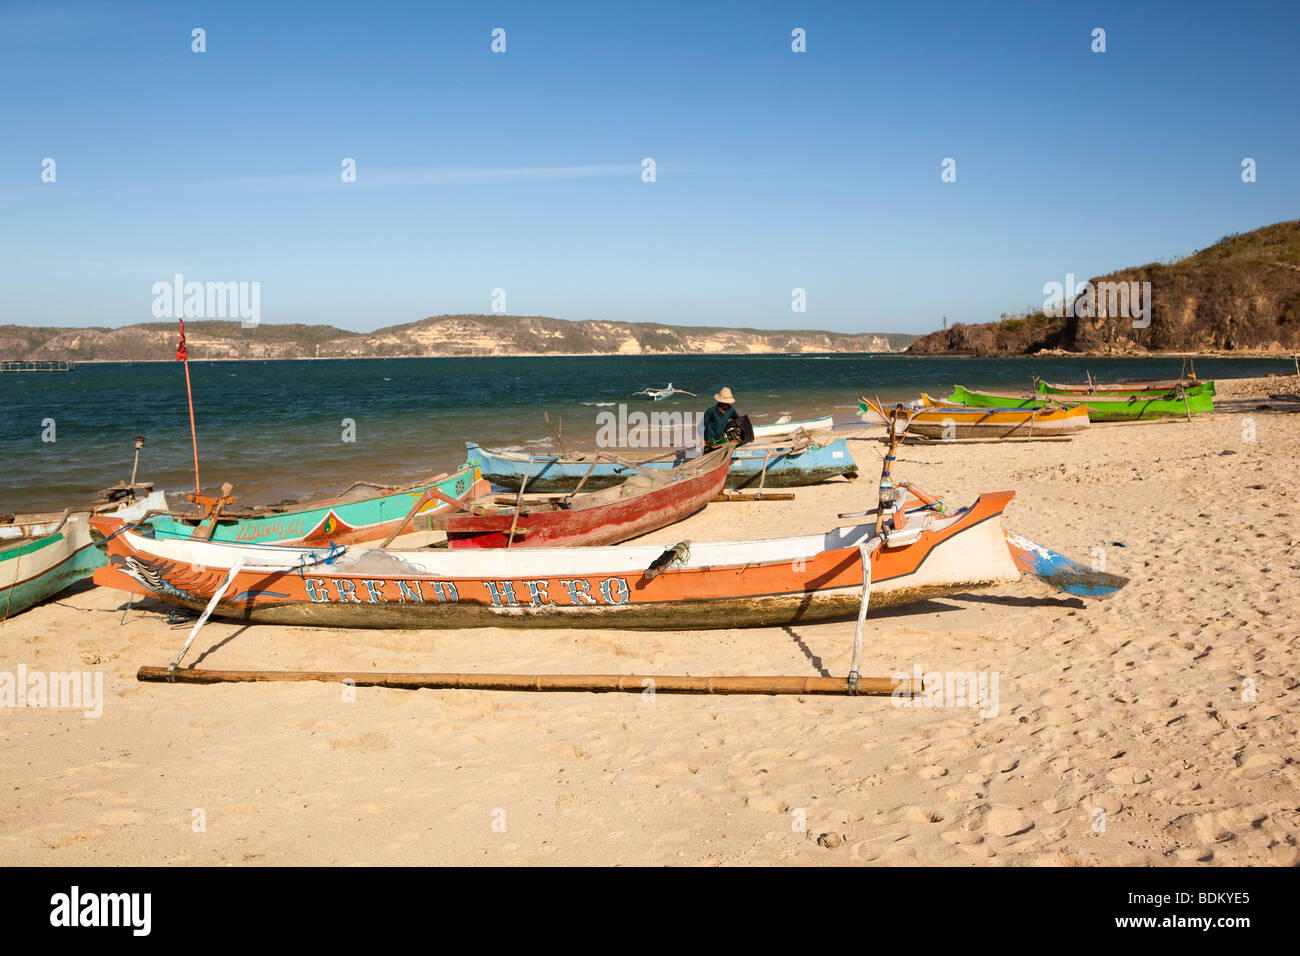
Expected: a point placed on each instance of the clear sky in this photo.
(522, 170)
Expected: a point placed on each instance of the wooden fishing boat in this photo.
(1100, 409)
(778, 465)
(942, 420)
(644, 502)
(784, 429)
(703, 585)
(659, 394)
(365, 512)
(1126, 389)
(41, 555)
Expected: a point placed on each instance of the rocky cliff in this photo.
(1242, 293)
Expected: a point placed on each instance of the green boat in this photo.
(362, 513)
(1146, 389)
(1121, 408)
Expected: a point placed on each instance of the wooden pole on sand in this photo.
(590, 683)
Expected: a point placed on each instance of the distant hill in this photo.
(1242, 293)
(439, 335)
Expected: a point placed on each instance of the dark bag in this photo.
(739, 430)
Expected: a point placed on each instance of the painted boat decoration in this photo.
(645, 502)
(41, 555)
(784, 429)
(943, 420)
(1126, 389)
(774, 466)
(704, 585)
(1117, 409)
(339, 520)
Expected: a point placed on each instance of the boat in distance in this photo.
(1117, 408)
(939, 419)
(1134, 388)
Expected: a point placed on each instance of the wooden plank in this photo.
(765, 496)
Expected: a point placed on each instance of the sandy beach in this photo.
(1154, 728)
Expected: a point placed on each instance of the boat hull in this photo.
(337, 522)
(1153, 389)
(785, 468)
(722, 584)
(590, 523)
(31, 571)
(1119, 409)
(786, 429)
(943, 421)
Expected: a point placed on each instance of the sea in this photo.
(294, 430)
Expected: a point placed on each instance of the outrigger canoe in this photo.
(1132, 388)
(645, 502)
(785, 429)
(1100, 409)
(948, 421)
(363, 515)
(1149, 389)
(41, 555)
(774, 466)
(706, 585)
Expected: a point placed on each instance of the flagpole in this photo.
(183, 354)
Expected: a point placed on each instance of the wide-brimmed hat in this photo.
(725, 397)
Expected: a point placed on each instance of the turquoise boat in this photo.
(362, 515)
(42, 555)
(775, 466)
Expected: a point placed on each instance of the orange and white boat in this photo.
(939, 419)
(919, 554)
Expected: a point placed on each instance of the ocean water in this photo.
(277, 430)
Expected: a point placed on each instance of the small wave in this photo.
(599, 404)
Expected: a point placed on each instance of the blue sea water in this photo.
(277, 429)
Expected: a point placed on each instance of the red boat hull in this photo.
(599, 524)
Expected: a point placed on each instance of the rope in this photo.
(862, 611)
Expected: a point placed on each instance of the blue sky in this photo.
(522, 170)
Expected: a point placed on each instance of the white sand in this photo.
(1127, 711)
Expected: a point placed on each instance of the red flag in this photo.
(181, 354)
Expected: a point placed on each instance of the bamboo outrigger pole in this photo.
(590, 683)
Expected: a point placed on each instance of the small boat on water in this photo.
(778, 465)
(1133, 388)
(945, 420)
(364, 512)
(646, 501)
(41, 555)
(686, 586)
(785, 428)
(1117, 408)
(659, 394)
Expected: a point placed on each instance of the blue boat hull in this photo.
(785, 468)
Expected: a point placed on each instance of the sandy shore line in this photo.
(1154, 728)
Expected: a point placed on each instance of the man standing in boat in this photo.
(716, 419)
